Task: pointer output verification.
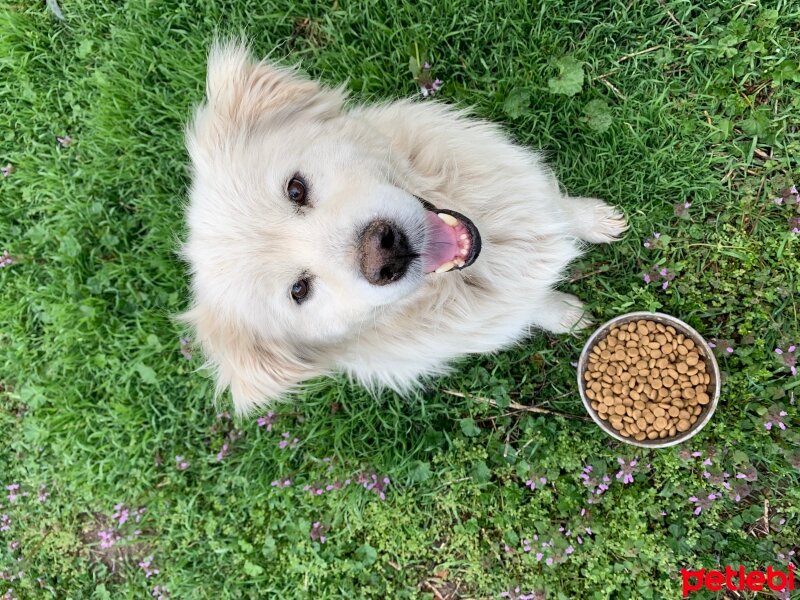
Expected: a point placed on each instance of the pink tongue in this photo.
(441, 245)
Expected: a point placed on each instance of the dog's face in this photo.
(299, 231)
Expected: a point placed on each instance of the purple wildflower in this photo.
(5, 522)
(531, 483)
(223, 452)
(148, 568)
(6, 260)
(107, 538)
(794, 225)
(788, 196)
(516, 594)
(64, 141)
(789, 357)
(286, 442)
(660, 275)
(701, 503)
(318, 532)
(8, 170)
(160, 593)
(186, 348)
(12, 491)
(282, 483)
(428, 86)
(626, 472)
(739, 491)
(748, 474)
(681, 209)
(43, 494)
(266, 421)
(597, 487)
(120, 514)
(372, 482)
(181, 464)
(721, 346)
(775, 417)
(652, 241)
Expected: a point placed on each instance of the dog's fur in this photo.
(247, 243)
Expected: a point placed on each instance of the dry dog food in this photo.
(647, 380)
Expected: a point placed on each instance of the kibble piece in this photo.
(683, 425)
(703, 398)
(660, 423)
(619, 409)
(682, 367)
(673, 411)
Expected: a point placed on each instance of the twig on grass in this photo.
(612, 87)
(640, 52)
(516, 406)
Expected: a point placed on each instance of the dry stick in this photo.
(437, 594)
(611, 86)
(517, 406)
(645, 51)
(669, 12)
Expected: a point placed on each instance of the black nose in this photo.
(385, 254)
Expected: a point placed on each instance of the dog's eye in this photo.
(300, 290)
(296, 191)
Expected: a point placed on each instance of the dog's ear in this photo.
(244, 91)
(256, 371)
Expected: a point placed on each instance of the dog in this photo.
(382, 241)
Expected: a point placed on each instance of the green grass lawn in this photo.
(133, 484)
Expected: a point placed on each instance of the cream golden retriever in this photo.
(382, 241)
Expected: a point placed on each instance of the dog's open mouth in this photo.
(452, 240)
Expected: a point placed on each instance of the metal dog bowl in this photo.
(707, 355)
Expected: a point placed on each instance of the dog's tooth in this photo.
(463, 236)
(464, 252)
(449, 219)
(459, 263)
(445, 267)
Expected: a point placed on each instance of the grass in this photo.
(651, 105)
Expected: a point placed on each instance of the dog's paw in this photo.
(564, 314)
(596, 221)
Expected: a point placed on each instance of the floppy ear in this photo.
(242, 91)
(256, 371)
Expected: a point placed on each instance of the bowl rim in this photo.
(696, 338)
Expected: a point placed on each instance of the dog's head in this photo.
(298, 230)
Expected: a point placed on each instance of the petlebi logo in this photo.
(738, 579)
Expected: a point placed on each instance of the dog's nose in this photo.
(384, 252)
